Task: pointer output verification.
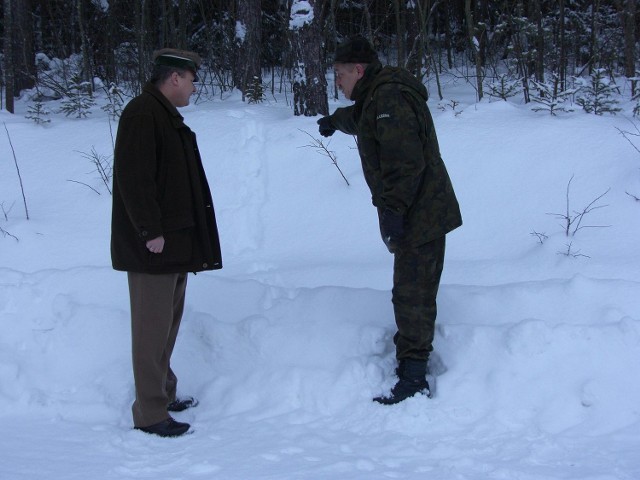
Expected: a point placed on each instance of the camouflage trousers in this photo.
(416, 278)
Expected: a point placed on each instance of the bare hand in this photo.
(156, 245)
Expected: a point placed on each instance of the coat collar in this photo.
(360, 88)
(151, 89)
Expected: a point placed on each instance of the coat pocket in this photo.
(178, 248)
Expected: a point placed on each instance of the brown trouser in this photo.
(157, 303)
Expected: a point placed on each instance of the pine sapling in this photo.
(255, 91)
(38, 113)
(548, 98)
(504, 87)
(598, 94)
(115, 103)
(79, 100)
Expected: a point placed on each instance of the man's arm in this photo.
(401, 153)
(135, 169)
(343, 119)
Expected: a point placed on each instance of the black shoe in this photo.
(403, 390)
(180, 404)
(166, 428)
(411, 381)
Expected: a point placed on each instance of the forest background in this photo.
(537, 50)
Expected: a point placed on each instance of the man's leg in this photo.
(178, 309)
(416, 278)
(156, 309)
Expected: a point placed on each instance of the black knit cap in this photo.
(355, 50)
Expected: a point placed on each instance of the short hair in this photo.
(161, 73)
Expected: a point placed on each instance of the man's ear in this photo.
(360, 68)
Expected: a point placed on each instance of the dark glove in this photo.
(325, 127)
(392, 228)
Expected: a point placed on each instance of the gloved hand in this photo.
(325, 127)
(392, 228)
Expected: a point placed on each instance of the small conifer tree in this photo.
(116, 101)
(598, 95)
(38, 113)
(504, 87)
(79, 101)
(548, 98)
(255, 91)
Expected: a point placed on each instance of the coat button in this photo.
(205, 265)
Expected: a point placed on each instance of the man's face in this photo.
(185, 88)
(347, 75)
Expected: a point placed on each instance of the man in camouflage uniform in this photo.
(411, 189)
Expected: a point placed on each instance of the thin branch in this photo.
(625, 133)
(569, 253)
(540, 236)
(319, 146)
(86, 185)
(576, 217)
(15, 160)
(7, 234)
(589, 208)
(5, 212)
(102, 165)
(633, 196)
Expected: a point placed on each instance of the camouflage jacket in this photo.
(399, 151)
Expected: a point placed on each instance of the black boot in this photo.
(166, 428)
(411, 380)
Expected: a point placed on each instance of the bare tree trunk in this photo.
(475, 45)
(8, 54)
(167, 31)
(562, 71)
(181, 41)
(247, 67)
(19, 64)
(367, 20)
(414, 38)
(426, 14)
(309, 83)
(448, 36)
(627, 13)
(142, 37)
(23, 52)
(86, 74)
(401, 32)
(331, 41)
(539, 41)
(594, 54)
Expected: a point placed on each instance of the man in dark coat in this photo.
(163, 226)
(410, 188)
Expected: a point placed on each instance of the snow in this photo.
(301, 14)
(241, 31)
(537, 351)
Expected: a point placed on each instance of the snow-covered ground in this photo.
(537, 347)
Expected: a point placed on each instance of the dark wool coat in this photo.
(160, 188)
(399, 151)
